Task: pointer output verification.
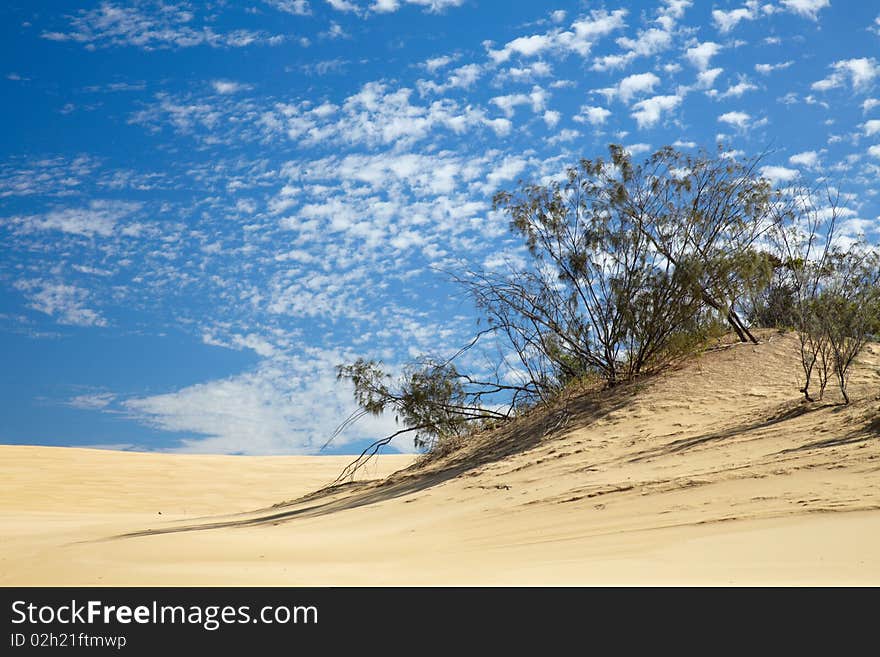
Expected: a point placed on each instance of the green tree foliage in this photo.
(631, 265)
(847, 310)
(832, 289)
(774, 305)
(431, 400)
(627, 259)
(701, 212)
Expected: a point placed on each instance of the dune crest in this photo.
(713, 473)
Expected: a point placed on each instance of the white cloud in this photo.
(738, 89)
(228, 86)
(528, 46)
(434, 64)
(675, 8)
(343, 6)
(258, 344)
(777, 174)
(507, 103)
(164, 26)
(465, 76)
(65, 303)
(93, 271)
(874, 151)
(93, 401)
(54, 176)
(462, 77)
(636, 85)
(635, 150)
(592, 115)
(725, 21)
(500, 127)
(700, 55)
(647, 42)
(578, 39)
(551, 118)
(335, 31)
(806, 8)
(426, 175)
(611, 62)
(508, 169)
(648, 112)
(855, 227)
(281, 407)
(98, 218)
(536, 99)
(431, 6)
(184, 115)
(860, 72)
(706, 79)
(563, 136)
(766, 69)
(870, 104)
(295, 7)
(325, 67)
(377, 115)
(739, 120)
(872, 127)
(807, 159)
(528, 73)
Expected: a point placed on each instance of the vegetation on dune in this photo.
(632, 266)
(826, 289)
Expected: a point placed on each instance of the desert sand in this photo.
(714, 473)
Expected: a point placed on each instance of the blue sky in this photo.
(205, 206)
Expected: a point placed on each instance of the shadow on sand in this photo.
(519, 436)
(787, 412)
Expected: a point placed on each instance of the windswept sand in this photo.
(712, 474)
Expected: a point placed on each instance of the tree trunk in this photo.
(741, 330)
(736, 327)
(842, 379)
(732, 319)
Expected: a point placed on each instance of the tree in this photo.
(834, 287)
(627, 258)
(847, 311)
(774, 304)
(431, 399)
(631, 265)
(804, 232)
(599, 298)
(702, 213)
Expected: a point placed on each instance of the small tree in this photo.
(803, 234)
(847, 311)
(835, 288)
(432, 400)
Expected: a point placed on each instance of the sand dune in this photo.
(712, 474)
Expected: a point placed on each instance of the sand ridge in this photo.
(714, 473)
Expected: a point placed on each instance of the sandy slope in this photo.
(711, 474)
